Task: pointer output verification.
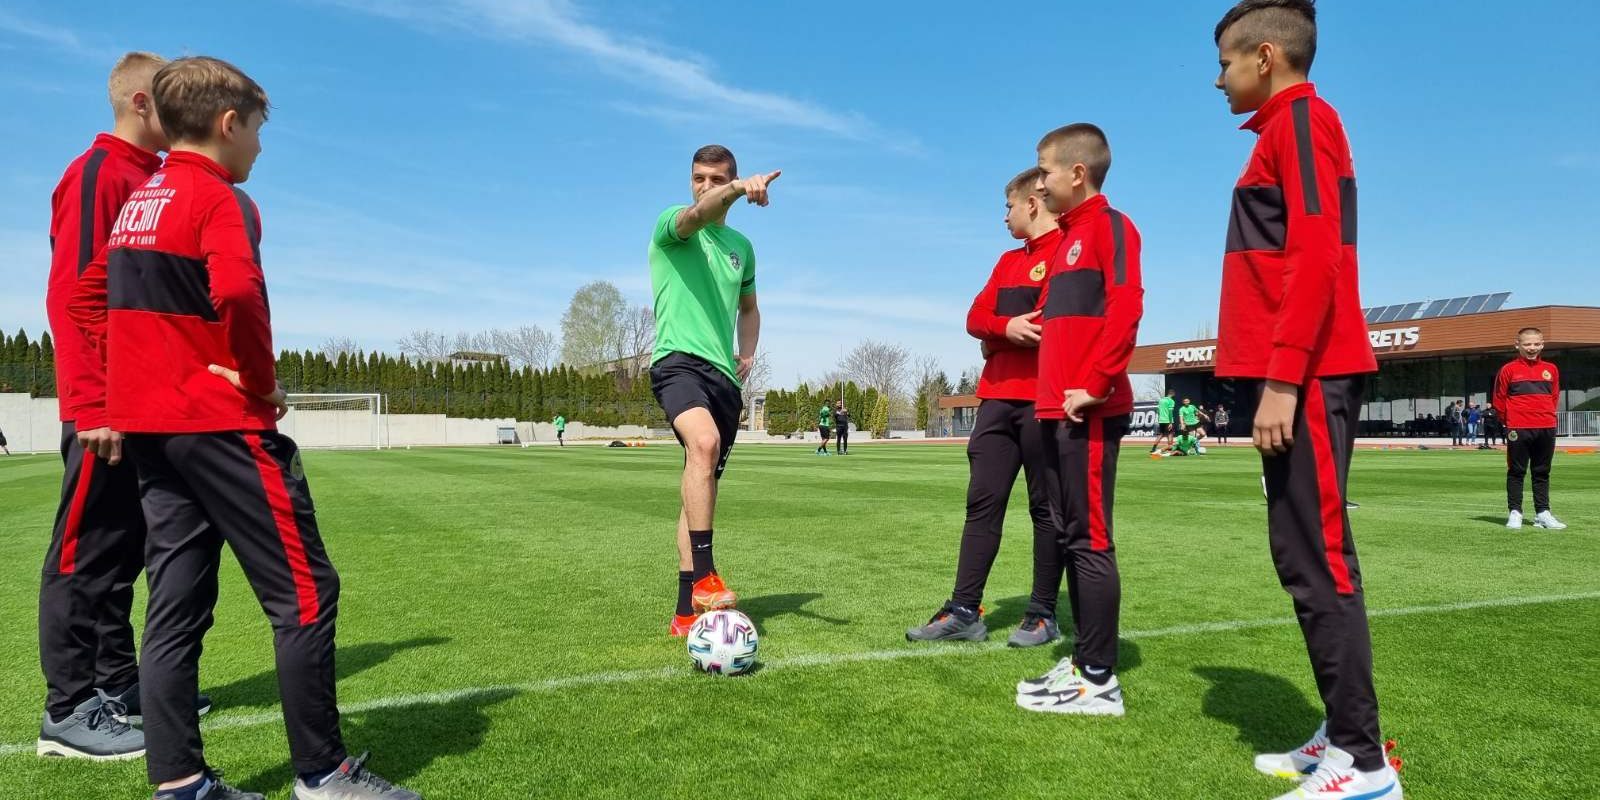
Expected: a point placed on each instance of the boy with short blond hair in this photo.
(178, 305)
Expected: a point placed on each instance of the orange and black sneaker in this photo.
(710, 594)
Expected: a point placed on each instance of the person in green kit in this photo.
(561, 430)
(1164, 420)
(1189, 416)
(703, 274)
(1187, 445)
(824, 427)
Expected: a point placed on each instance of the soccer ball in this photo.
(723, 642)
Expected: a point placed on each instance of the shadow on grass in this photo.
(1500, 520)
(763, 608)
(1270, 713)
(1007, 612)
(403, 740)
(261, 689)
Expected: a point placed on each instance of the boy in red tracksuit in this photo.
(1005, 439)
(1093, 301)
(1526, 392)
(96, 552)
(1292, 331)
(177, 305)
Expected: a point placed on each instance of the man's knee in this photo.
(703, 448)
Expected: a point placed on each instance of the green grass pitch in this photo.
(503, 633)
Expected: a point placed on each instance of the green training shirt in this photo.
(1190, 415)
(697, 284)
(825, 417)
(1187, 443)
(1164, 409)
(561, 423)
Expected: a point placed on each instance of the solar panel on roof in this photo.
(1495, 301)
(1435, 309)
(1475, 304)
(1410, 311)
(1453, 307)
(1374, 312)
(1390, 313)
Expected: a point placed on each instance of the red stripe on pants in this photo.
(69, 535)
(288, 531)
(1098, 540)
(1330, 501)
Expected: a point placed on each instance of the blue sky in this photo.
(461, 164)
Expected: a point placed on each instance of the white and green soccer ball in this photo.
(723, 642)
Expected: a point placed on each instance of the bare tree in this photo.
(1204, 331)
(1151, 387)
(335, 346)
(590, 327)
(636, 337)
(968, 382)
(425, 345)
(527, 346)
(878, 365)
(759, 379)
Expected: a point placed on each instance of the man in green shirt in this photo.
(703, 274)
(1189, 416)
(1187, 445)
(824, 427)
(1164, 408)
(561, 430)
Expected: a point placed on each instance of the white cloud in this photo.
(53, 36)
(683, 76)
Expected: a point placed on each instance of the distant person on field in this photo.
(1456, 414)
(1220, 421)
(1166, 408)
(841, 423)
(1474, 415)
(561, 430)
(1526, 391)
(3, 443)
(824, 427)
(1493, 428)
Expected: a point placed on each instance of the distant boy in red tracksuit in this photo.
(1526, 392)
(178, 306)
(1292, 332)
(1093, 301)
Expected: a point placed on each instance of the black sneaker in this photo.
(133, 715)
(953, 622)
(352, 781)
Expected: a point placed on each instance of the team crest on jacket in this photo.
(1511, 436)
(1072, 254)
(1547, 374)
(733, 259)
(1037, 273)
(155, 180)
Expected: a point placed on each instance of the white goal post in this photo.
(335, 421)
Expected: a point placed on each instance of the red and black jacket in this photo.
(82, 209)
(1014, 288)
(1526, 394)
(178, 288)
(1093, 301)
(1291, 296)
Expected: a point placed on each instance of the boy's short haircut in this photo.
(1289, 24)
(1026, 183)
(191, 92)
(1081, 143)
(131, 73)
(716, 154)
(1528, 330)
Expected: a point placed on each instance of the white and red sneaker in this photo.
(1299, 762)
(1336, 778)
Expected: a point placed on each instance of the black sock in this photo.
(685, 590)
(1098, 676)
(315, 779)
(700, 551)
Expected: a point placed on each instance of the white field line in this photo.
(226, 722)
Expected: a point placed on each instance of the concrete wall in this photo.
(31, 425)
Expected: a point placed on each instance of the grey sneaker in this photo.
(1034, 631)
(212, 788)
(91, 731)
(352, 781)
(133, 713)
(953, 622)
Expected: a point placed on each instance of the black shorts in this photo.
(681, 382)
(1165, 428)
(825, 431)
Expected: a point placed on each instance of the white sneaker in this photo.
(1299, 762)
(1042, 682)
(1514, 522)
(1336, 778)
(1545, 519)
(1072, 693)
